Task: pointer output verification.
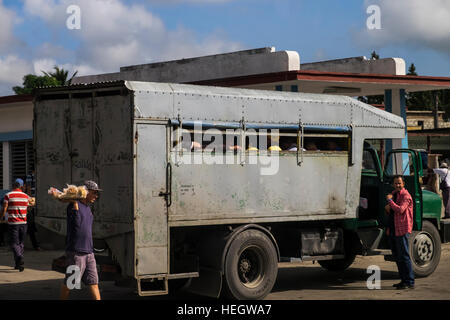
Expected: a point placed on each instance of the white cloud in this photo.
(55, 51)
(188, 1)
(7, 20)
(45, 9)
(43, 65)
(12, 70)
(417, 23)
(115, 34)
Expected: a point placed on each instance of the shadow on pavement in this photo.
(38, 260)
(317, 278)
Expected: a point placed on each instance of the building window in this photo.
(22, 159)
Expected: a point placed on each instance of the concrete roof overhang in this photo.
(350, 84)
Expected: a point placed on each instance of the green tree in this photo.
(412, 70)
(58, 77)
(31, 81)
(61, 75)
(419, 100)
(427, 99)
(374, 55)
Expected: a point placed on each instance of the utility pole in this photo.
(436, 109)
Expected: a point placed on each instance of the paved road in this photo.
(302, 281)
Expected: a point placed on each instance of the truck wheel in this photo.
(338, 264)
(251, 266)
(425, 250)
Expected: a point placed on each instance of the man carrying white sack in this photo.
(79, 247)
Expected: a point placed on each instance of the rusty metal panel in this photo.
(82, 123)
(112, 144)
(80, 138)
(228, 191)
(151, 229)
(51, 138)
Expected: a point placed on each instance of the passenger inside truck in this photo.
(251, 143)
(289, 143)
(370, 186)
(272, 140)
(273, 143)
(333, 146)
(368, 162)
(311, 146)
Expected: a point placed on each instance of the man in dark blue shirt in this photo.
(79, 247)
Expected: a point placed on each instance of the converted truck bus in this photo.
(213, 187)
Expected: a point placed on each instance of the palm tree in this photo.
(61, 75)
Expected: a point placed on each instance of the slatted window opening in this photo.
(22, 159)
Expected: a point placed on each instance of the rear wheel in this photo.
(251, 266)
(425, 250)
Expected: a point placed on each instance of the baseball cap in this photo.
(92, 185)
(19, 181)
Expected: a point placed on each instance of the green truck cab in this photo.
(376, 183)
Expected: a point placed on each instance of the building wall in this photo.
(233, 64)
(415, 118)
(16, 125)
(15, 117)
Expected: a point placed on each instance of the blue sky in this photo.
(115, 33)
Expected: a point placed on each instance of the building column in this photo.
(395, 103)
(6, 166)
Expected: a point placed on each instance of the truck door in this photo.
(406, 163)
(151, 233)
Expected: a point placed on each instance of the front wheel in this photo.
(425, 250)
(251, 266)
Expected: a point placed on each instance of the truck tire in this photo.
(251, 266)
(425, 250)
(338, 264)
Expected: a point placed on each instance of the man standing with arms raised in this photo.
(79, 246)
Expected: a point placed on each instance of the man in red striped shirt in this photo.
(16, 204)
